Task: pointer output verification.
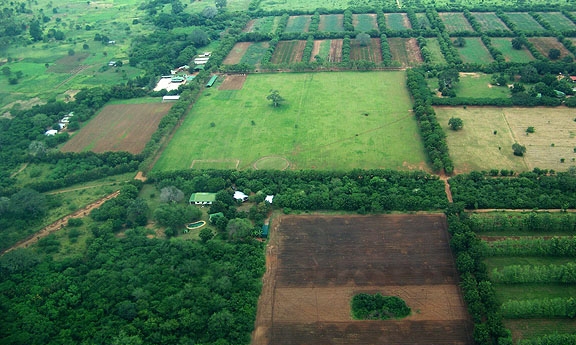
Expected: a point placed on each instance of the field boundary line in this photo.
(515, 139)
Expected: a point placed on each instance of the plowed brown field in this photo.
(119, 127)
(315, 264)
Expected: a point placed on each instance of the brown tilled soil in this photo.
(233, 82)
(236, 54)
(315, 264)
(315, 49)
(335, 51)
(414, 55)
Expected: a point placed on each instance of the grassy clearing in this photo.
(557, 21)
(397, 21)
(434, 47)
(364, 22)
(298, 24)
(455, 22)
(312, 5)
(544, 44)
(524, 21)
(489, 21)
(332, 23)
(265, 25)
(320, 126)
(423, 21)
(475, 52)
(476, 147)
(478, 85)
(504, 44)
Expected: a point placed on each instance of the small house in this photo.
(202, 198)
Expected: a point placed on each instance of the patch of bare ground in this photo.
(233, 82)
(335, 51)
(250, 26)
(315, 49)
(236, 54)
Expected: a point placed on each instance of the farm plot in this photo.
(298, 24)
(263, 25)
(434, 48)
(318, 126)
(557, 21)
(544, 44)
(504, 45)
(489, 21)
(327, 50)
(331, 23)
(524, 22)
(486, 140)
(246, 52)
(397, 22)
(287, 52)
(68, 64)
(423, 21)
(316, 264)
(405, 51)
(119, 127)
(455, 22)
(475, 52)
(364, 22)
(311, 5)
(370, 52)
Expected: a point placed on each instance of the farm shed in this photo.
(265, 230)
(170, 98)
(211, 81)
(51, 132)
(202, 198)
(238, 195)
(177, 79)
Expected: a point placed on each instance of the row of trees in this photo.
(523, 222)
(553, 247)
(540, 308)
(546, 274)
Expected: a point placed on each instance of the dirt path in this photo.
(19, 170)
(73, 74)
(444, 178)
(60, 223)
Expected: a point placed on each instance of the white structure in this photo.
(170, 98)
(269, 198)
(238, 195)
(51, 132)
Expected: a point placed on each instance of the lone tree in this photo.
(517, 43)
(554, 54)
(363, 39)
(455, 123)
(519, 150)
(460, 42)
(275, 97)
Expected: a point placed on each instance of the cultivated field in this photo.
(423, 21)
(504, 45)
(364, 22)
(119, 127)
(476, 147)
(327, 50)
(263, 25)
(331, 23)
(489, 21)
(298, 24)
(372, 52)
(524, 21)
(475, 51)
(325, 123)
(246, 52)
(312, 5)
(405, 51)
(557, 21)
(287, 52)
(544, 44)
(455, 22)
(434, 48)
(315, 264)
(397, 21)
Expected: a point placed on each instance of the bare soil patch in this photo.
(233, 82)
(250, 26)
(371, 52)
(119, 127)
(315, 264)
(68, 63)
(236, 54)
(335, 51)
(288, 52)
(315, 49)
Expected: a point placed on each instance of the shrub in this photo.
(378, 307)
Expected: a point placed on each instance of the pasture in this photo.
(397, 21)
(246, 52)
(318, 263)
(524, 22)
(476, 147)
(331, 23)
(405, 51)
(455, 22)
(557, 21)
(478, 85)
(263, 25)
(475, 51)
(119, 127)
(544, 44)
(489, 21)
(321, 125)
(504, 45)
(298, 24)
(287, 52)
(371, 52)
(364, 22)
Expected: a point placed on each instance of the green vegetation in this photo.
(266, 25)
(331, 23)
(455, 22)
(396, 21)
(314, 128)
(524, 22)
(365, 22)
(557, 21)
(510, 54)
(378, 307)
(475, 52)
(298, 24)
(489, 21)
(254, 53)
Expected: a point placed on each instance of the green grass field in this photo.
(476, 147)
(423, 21)
(254, 53)
(364, 22)
(475, 52)
(504, 44)
(524, 21)
(320, 126)
(434, 47)
(455, 22)
(312, 5)
(397, 21)
(489, 21)
(558, 21)
(332, 23)
(265, 25)
(477, 85)
(298, 24)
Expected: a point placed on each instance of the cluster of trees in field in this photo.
(378, 307)
(477, 288)
(528, 191)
